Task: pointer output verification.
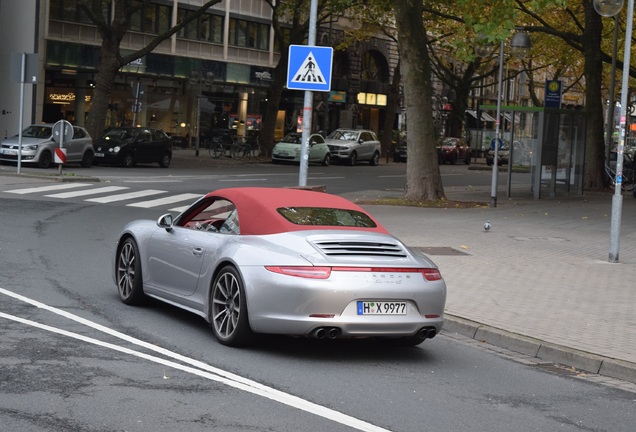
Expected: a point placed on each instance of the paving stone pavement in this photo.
(539, 281)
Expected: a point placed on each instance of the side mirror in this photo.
(165, 222)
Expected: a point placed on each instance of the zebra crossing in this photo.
(89, 192)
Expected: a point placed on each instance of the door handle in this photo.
(197, 251)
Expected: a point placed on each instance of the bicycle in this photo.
(628, 181)
(248, 147)
(221, 145)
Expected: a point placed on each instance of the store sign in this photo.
(65, 98)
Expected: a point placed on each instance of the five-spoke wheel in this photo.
(228, 310)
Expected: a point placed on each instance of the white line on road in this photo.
(85, 192)
(242, 180)
(48, 188)
(126, 196)
(167, 200)
(199, 368)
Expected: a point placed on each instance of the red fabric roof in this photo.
(257, 206)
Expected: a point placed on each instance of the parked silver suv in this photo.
(38, 147)
(354, 145)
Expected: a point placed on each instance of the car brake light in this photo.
(430, 274)
(302, 271)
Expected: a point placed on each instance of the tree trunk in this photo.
(392, 102)
(595, 146)
(274, 94)
(423, 179)
(108, 67)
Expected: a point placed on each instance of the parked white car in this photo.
(354, 145)
(288, 149)
(38, 147)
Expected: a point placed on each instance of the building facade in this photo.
(211, 75)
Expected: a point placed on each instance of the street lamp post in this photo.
(609, 8)
(519, 45)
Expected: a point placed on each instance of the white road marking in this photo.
(85, 192)
(167, 200)
(242, 179)
(126, 196)
(199, 368)
(48, 188)
(179, 209)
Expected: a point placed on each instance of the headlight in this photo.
(32, 147)
(114, 149)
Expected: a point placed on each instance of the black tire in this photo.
(127, 161)
(467, 160)
(228, 309)
(217, 150)
(327, 160)
(128, 273)
(46, 159)
(353, 159)
(375, 160)
(87, 159)
(165, 160)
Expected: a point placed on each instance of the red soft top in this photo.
(257, 206)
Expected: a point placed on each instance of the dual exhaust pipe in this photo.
(326, 333)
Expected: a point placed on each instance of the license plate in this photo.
(9, 152)
(99, 154)
(381, 308)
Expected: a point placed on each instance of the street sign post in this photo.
(62, 132)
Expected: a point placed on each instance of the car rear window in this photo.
(326, 217)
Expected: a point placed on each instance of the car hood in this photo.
(14, 141)
(338, 247)
(340, 143)
(286, 146)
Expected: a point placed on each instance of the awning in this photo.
(484, 115)
(508, 117)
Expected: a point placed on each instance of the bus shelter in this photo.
(543, 149)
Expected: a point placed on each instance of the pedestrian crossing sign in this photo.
(309, 68)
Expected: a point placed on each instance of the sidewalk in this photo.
(539, 282)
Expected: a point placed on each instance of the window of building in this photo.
(248, 34)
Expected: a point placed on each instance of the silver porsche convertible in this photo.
(282, 261)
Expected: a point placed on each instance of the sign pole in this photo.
(21, 121)
(308, 103)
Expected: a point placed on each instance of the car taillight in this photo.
(302, 271)
(430, 274)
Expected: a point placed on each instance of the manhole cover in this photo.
(440, 250)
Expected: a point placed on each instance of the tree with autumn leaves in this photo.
(421, 28)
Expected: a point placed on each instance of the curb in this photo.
(53, 177)
(605, 366)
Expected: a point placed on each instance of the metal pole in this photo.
(617, 198)
(609, 129)
(308, 103)
(495, 163)
(21, 117)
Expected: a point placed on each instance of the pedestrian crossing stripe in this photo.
(309, 71)
(309, 68)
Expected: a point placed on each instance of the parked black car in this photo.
(128, 146)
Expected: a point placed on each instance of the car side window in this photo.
(231, 224)
(144, 136)
(364, 136)
(78, 133)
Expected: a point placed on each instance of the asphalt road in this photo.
(74, 358)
